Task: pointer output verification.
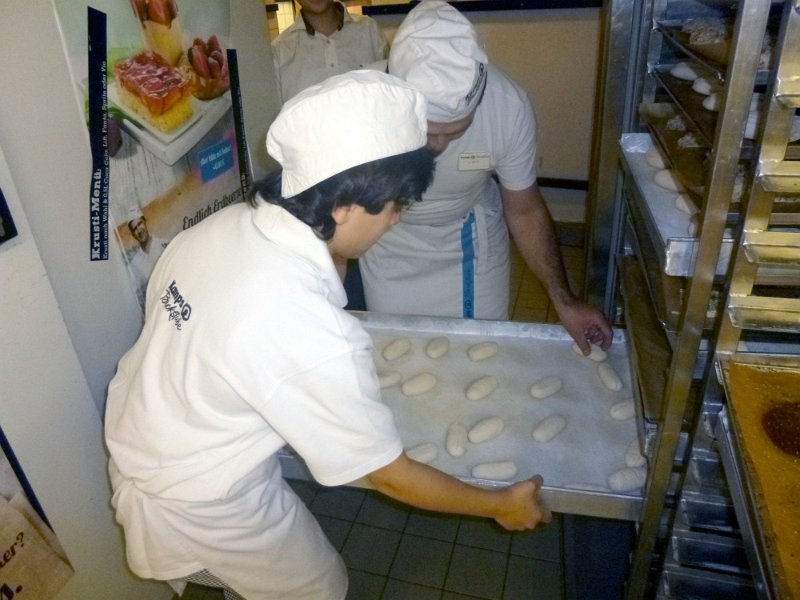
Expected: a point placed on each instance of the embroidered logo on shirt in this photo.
(178, 309)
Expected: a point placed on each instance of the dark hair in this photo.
(401, 179)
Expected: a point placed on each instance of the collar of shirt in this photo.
(284, 229)
(343, 14)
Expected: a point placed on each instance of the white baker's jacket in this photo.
(245, 348)
(448, 256)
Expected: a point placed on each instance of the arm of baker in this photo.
(515, 507)
(531, 227)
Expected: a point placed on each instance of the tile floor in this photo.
(394, 552)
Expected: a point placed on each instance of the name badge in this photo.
(474, 161)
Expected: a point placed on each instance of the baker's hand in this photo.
(586, 324)
(521, 508)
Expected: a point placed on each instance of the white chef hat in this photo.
(345, 121)
(436, 49)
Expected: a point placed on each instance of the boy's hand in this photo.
(520, 508)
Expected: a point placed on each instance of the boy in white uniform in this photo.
(246, 348)
(449, 255)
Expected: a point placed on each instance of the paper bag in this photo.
(29, 568)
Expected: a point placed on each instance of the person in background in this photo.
(246, 348)
(449, 255)
(324, 40)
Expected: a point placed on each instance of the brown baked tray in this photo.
(763, 415)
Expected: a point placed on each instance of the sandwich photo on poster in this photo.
(170, 155)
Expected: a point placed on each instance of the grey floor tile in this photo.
(381, 511)
(453, 596)
(433, 525)
(404, 590)
(422, 560)
(339, 502)
(483, 533)
(336, 530)
(305, 489)
(477, 572)
(530, 579)
(370, 549)
(544, 542)
(364, 586)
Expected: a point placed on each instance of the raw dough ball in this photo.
(424, 453)
(389, 379)
(684, 204)
(701, 85)
(485, 430)
(667, 180)
(596, 353)
(711, 102)
(419, 384)
(456, 441)
(628, 479)
(495, 471)
(684, 71)
(546, 387)
(396, 348)
(437, 347)
(548, 428)
(622, 411)
(480, 388)
(482, 351)
(633, 456)
(609, 377)
(654, 158)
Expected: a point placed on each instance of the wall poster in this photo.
(165, 147)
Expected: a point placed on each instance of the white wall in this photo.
(552, 55)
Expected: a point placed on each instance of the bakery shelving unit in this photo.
(700, 261)
(767, 240)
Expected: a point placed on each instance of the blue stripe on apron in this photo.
(468, 268)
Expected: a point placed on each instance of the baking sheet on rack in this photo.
(582, 456)
(671, 224)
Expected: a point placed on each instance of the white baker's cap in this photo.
(345, 121)
(436, 50)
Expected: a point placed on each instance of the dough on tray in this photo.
(609, 377)
(683, 70)
(654, 158)
(485, 430)
(437, 347)
(622, 411)
(396, 348)
(684, 204)
(548, 428)
(546, 387)
(666, 179)
(482, 351)
(633, 456)
(418, 384)
(389, 378)
(496, 471)
(424, 453)
(596, 353)
(481, 388)
(456, 440)
(628, 479)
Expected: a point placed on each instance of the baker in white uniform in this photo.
(324, 40)
(246, 347)
(449, 255)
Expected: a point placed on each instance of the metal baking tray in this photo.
(668, 227)
(575, 464)
(683, 582)
(706, 550)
